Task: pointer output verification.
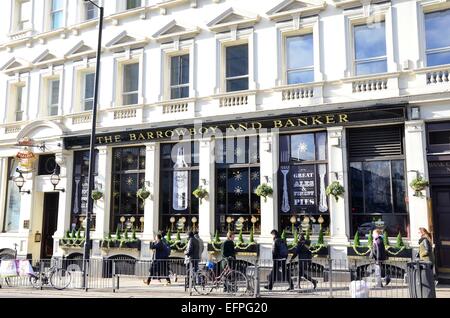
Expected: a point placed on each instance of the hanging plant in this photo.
(143, 193)
(96, 195)
(335, 189)
(418, 185)
(200, 193)
(264, 190)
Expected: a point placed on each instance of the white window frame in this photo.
(246, 76)
(301, 69)
(16, 14)
(85, 10)
(83, 87)
(121, 59)
(46, 78)
(233, 38)
(122, 5)
(13, 88)
(381, 12)
(51, 13)
(298, 27)
(50, 104)
(170, 76)
(19, 105)
(424, 7)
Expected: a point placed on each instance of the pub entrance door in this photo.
(441, 216)
(49, 224)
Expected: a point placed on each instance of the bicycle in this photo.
(233, 281)
(58, 278)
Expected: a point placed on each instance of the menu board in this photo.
(303, 180)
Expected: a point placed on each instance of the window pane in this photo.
(398, 186)
(19, 92)
(297, 77)
(179, 70)
(237, 60)
(439, 137)
(238, 191)
(57, 4)
(435, 24)
(237, 85)
(356, 190)
(12, 208)
(303, 147)
(133, 4)
(179, 92)
(300, 51)
(371, 67)
(370, 40)
(57, 20)
(321, 144)
(393, 224)
(91, 11)
(377, 187)
(131, 77)
(89, 80)
(438, 58)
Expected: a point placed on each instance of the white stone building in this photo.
(358, 91)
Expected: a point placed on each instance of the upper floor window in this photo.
(131, 4)
(130, 84)
(90, 11)
(23, 14)
(437, 41)
(53, 97)
(179, 76)
(12, 210)
(88, 92)
(299, 59)
(57, 14)
(237, 68)
(370, 48)
(19, 101)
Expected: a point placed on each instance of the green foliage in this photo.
(335, 189)
(308, 234)
(385, 238)
(169, 236)
(178, 239)
(240, 237)
(283, 235)
(370, 240)
(74, 234)
(133, 235)
(96, 195)
(418, 185)
(217, 237)
(79, 234)
(200, 193)
(252, 239)
(264, 190)
(143, 193)
(118, 236)
(320, 240)
(356, 241)
(109, 236)
(295, 237)
(67, 234)
(399, 243)
(125, 236)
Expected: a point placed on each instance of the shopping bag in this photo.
(8, 268)
(25, 268)
(359, 289)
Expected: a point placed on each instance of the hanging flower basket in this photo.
(335, 189)
(418, 185)
(96, 195)
(264, 190)
(200, 193)
(143, 193)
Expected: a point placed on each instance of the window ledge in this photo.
(113, 18)
(370, 77)
(230, 94)
(18, 35)
(49, 34)
(444, 67)
(83, 25)
(300, 85)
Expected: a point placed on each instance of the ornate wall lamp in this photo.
(20, 181)
(55, 179)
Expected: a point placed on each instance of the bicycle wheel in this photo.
(235, 283)
(35, 281)
(60, 278)
(203, 282)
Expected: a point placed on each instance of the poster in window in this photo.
(304, 187)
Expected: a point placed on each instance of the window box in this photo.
(69, 243)
(246, 248)
(364, 251)
(316, 250)
(359, 251)
(107, 244)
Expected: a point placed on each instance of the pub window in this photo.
(90, 11)
(377, 181)
(179, 178)
(130, 84)
(302, 182)
(19, 102)
(370, 49)
(57, 14)
(12, 209)
(47, 165)
(80, 187)
(237, 68)
(237, 177)
(53, 97)
(300, 59)
(439, 137)
(128, 177)
(88, 92)
(437, 44)
(179, 76)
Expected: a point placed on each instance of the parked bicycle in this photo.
(54, 276)
(233, 281)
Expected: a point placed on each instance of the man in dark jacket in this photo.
(279, 255)
(304, 260)
(159, 267)
(378, 253)
(192, 252)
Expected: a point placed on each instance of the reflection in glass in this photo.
(437, 42)
(377, 187)
(300, 59)
(303, 147)
(370, 48)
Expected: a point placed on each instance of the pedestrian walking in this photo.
(192, 252)
(279, 256)
(159, 266)
(201, 244)
(425, 252)
(378, 253)
(304, 260)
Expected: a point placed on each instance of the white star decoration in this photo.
(238, 205)
(238, 190)
(255, 175)
(237, 176)
(303, 147)
(130, 181)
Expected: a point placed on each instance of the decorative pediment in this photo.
(81, 49)
(348, 4)
(289, 8)
(14, 65)
(174, 30)
(46, 58)
(124, 40)
(164, 5)
(233, 19)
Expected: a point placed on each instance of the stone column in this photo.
(207, 180)
(339, 210)
(268, 154)
(416, 164)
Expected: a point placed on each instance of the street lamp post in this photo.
(87, 243)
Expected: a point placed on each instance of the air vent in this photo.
(375, 142)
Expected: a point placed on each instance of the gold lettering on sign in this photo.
(316, 120)
(133, 137)
(256, 125)
(99, 140)
(192, 131)
(330, 119)
(159, 134)
(302, 121)
(277, 124)
(289, 123)
(169, 133)
(108, 139)
(343, 118)
(117, 138)
(141, 137)
(243, 126)
(150, 135)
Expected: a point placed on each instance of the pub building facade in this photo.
(187, 103)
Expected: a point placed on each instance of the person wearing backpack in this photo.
(279, 256)
(378, 253)
(159, 266)
(304, 260)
